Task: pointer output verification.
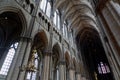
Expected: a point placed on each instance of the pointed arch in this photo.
(74, 63)
(41, 40)
(56, 54)
(12, 26)
(57, 49)
(20, 15)
(92, 52)
(67, 58)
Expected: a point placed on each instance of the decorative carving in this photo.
(30, 67)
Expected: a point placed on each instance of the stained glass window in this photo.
(8, 60)
(99, 69)
(103, 68)
(57, 74)
(107, 68)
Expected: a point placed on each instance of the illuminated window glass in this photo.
(57, 19)
(46, 7)
(65, 29)
(57, 74)
(32, 75)
(103, 68)
(43, 5)
(107, 68)
(8, 60)
(48, 11)
(58, 22)
(38, 63)
(99, 69)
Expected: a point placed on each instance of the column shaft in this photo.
(46, 67)
(20, 56)
(72, 74)
(62, 74)
(83, 78)
(25, 61)
(78, 76)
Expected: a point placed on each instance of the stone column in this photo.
(46, 66)
(71, 74)
(83, 78)
(111, 15)
(114, 49)
(62, 70)
(78, 76)
(55, 74)
(116, 7)
(20, 59)
(51, 69)
(22, 74)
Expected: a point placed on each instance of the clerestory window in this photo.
(46, 7)
(65, 29)
(57, 19)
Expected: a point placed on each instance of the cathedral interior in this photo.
(59, 39)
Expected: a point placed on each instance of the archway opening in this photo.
(55, 61)
(36, 57)
(67, 59)
(10, 31)
(94, 56)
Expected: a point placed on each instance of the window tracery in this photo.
(8, 60)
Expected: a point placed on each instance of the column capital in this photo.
(77, 72)
(62, 62)
(47, 52)
(71, 67)
(25, 38)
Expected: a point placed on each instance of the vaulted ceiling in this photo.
(78, 13)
